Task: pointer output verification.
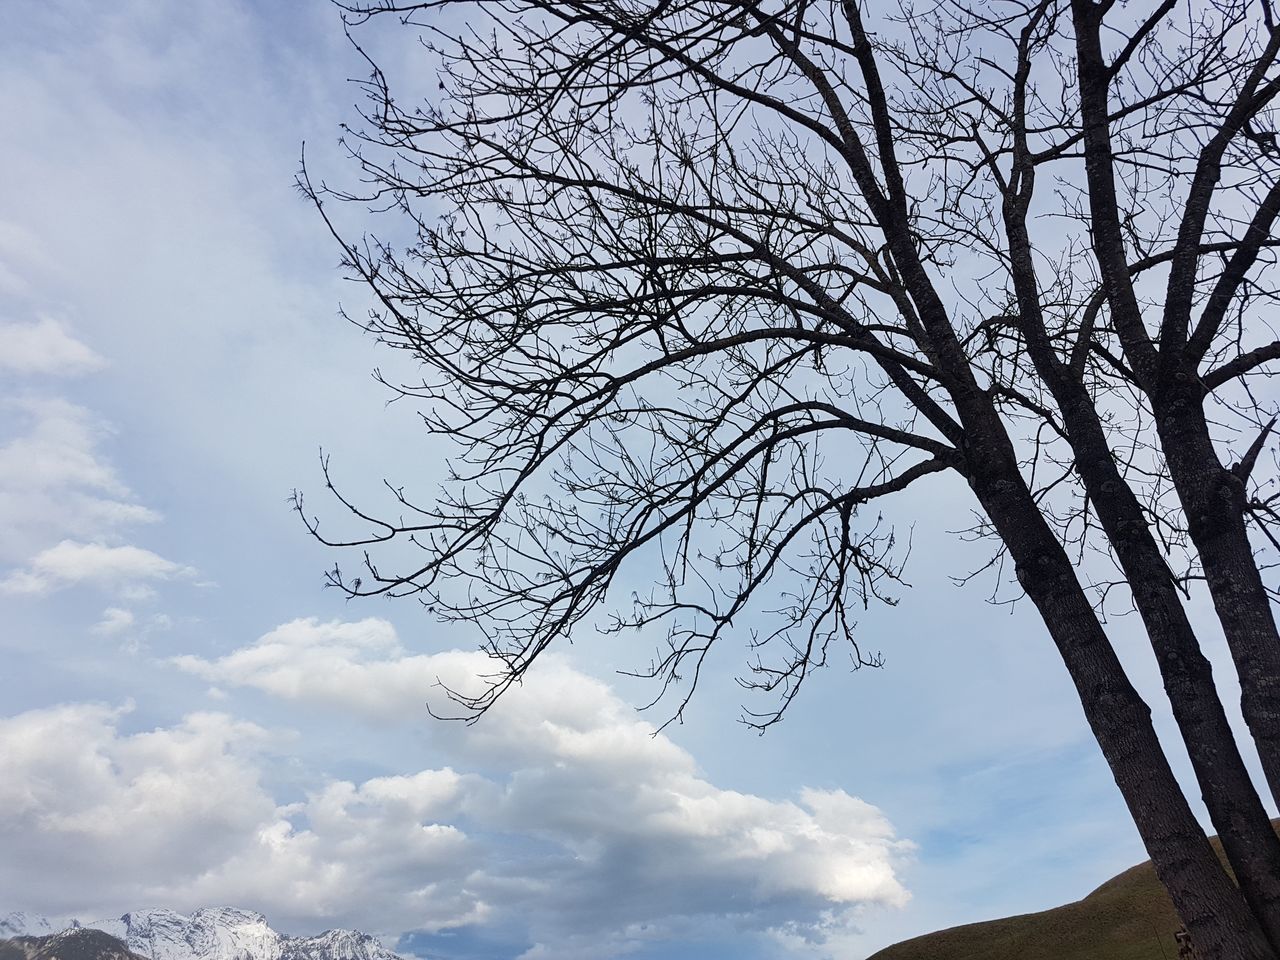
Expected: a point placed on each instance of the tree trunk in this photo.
(1213, 909)
(1233, 803)
(1094, 77)
(1234, 807)
(1213, 498)
(1209, 903)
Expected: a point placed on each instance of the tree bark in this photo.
(1214, 910)
(1233, 803)
(1220, 922)
(1211, 495)
(1213, 498)
(1212, 907)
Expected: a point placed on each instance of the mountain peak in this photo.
(73, 943)
(210, 933)
(20, 924)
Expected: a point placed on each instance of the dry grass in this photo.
(1127, 918)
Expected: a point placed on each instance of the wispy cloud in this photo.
(127, 568)
(115, 620)
(55, 482)
(44, 347)
(65, 512)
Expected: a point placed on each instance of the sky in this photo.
(188, 718)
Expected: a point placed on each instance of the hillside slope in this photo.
(75, 944)
(1127, 918)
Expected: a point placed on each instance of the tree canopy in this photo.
(694, 284)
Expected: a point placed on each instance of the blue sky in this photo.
(188, 718)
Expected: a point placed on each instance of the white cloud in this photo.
(86, 812)
(587, 834)
(94, 820)
(125, 568)
(358, 666)
(54, 482)
(630, 834)
(379, 853)
(57, 488)
(21, 253)
(44, 347)
(115, 620)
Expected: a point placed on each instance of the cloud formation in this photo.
(57, 487)
(85, 809)
(115, 620)
(623, 832)
(54, 481)
(44, 347)
(126, 568)
(586, 833)
(94, 819)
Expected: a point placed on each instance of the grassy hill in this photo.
(1127, 918)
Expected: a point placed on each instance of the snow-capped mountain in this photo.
(337, 945)
(74, 943)
(217, 933)
(26, 925)
(212, 933)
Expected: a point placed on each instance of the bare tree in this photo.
(694, 282)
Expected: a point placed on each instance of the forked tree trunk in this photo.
(1212, 907)
(1208, 499)
(1213, 498)
(1208, 902)
(1233, 803)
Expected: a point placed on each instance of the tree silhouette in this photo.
(693, 283)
